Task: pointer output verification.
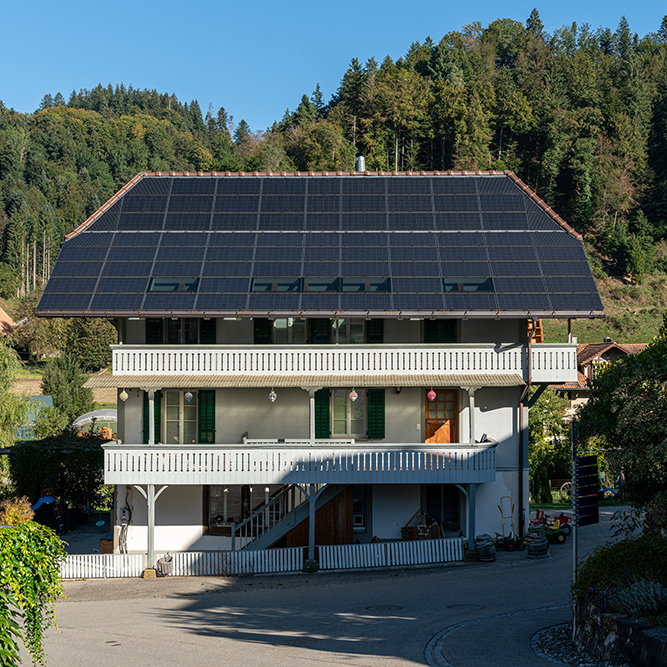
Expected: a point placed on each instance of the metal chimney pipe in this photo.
(361, 163)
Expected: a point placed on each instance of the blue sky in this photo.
(255, 58)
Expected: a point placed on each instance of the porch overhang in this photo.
(308, 380)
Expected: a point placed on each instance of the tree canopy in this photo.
(627, 414)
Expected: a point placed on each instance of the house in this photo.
(589, 357)
(312, 358)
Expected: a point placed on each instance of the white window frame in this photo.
(181, 413)
(363, 397)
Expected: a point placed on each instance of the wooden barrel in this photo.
(537, 543)
(485, 548)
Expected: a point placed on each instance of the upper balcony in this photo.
(397, 364)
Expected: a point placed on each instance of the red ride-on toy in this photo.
(561, 522)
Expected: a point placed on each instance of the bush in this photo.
(15, 511)
(641, 597)
(612, 569)
(73, 466)
(63, 380)
(88, 340)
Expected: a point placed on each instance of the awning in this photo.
(106, 380)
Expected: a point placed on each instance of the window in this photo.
(180, 417)
(224, 505)
(348, 331)
(476, 284)
(288, 331)
(180, 331)
(348, 416)
(174, 285)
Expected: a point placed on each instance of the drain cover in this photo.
(465, 606)
(384, 607)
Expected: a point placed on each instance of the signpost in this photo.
(585, 504)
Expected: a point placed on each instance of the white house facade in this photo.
(310, 359)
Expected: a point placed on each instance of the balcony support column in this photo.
(151, 497)
(471, 412)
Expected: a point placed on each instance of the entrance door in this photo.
(441, 417)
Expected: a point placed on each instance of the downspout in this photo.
(522, 430)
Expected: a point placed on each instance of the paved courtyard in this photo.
(460, 615)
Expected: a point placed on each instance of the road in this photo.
(459, 615)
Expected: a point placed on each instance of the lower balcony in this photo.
(300, 462)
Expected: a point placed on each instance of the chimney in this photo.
(361, 163)
(608, 340)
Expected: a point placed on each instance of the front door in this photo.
(441, 417)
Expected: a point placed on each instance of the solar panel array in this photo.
(380, 244)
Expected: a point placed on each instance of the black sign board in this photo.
(586, 491)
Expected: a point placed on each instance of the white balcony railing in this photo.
(550, 362)
(287, 463)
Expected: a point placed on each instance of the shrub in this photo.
(641, 597)
(613, 568)
(88, 340)
(63, 380)
(15, 511)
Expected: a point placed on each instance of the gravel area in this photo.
(555, 644)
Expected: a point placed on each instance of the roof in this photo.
(7, 324)
(586, 353)
(427, 244)
(306, 380)
(579, 385)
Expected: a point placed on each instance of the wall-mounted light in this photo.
(353, 395)
(431, 395)
(398, 390)
(272, 396)
(123, 396)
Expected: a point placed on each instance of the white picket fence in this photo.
(102, 566)
(388, 554)
(268, 561)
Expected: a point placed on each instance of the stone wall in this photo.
(618, 639)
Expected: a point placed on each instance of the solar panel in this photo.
(413, 302)
(150, 185)
(364, 203)
(524, 301)
(169, 302)
(140, 221)
(282, 204)
(171, 268)
(227, 301)
(326, 237)
(130, 254)
(470, 301)
(189, 221)
(238, 186)
(123, 302)
(126, 268)
(409, 186)
(505, 221)
(145, 205)
(501, 203)
(410, 203)
(236, 204)
(284, 186)
(445, 203)
(280, 221)
(363, 185)
(193, 186)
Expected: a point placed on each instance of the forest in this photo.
(580, 115)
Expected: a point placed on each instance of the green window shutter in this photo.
(154, 331)
(319, 332)
(206, 416)
(376, 413)
(440, 331)
(322, 420)
(375, 331)
(207, 332)
(262, 328)
(158, 420)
